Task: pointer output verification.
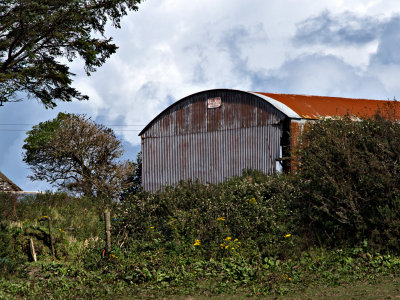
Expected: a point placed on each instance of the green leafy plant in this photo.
(36, 35)
(252, 208)
(349, 182)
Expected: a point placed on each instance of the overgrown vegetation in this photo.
(252, 208)
(349, 182)
(333, 222)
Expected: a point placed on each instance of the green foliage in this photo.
(252, 235)
(178, 242)
(11, 250)
(80, 217)
(349, 178)
(163, 274)
(5, 240)
(77, 227)
(251, 208)
(36, 35)
(40, 135)
(7, 206)
(135, 179)
(77, 154)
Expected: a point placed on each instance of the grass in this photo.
(321, 274)
(233, 240)
(329, 231)
(383, 287)
(59, 281)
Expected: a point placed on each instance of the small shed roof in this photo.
(6, 185)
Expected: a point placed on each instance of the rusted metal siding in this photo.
(189, 140)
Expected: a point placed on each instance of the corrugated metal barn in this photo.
(216, 134)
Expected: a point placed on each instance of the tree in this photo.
(73, 152)
(134, 180)
(36, 34)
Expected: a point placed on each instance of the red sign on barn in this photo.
(214, 102)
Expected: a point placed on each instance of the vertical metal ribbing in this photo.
(187, 142)
(145, 168)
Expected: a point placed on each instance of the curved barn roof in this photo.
(310, 107)
(316, 107)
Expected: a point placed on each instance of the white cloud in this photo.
(172, 48)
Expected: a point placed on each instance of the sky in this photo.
(170, 49)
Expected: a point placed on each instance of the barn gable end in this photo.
(211, 136)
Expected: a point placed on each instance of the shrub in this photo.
(8, 204)
(248, 213)
(5, 240)
(349, 181)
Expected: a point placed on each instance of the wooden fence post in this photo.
(53, 252)
(32, 248)
(108, 230)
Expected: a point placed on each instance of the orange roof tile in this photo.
(316, 107)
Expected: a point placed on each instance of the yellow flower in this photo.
(287, 235)
(286, 277)
(226, 247)
(172, 222)
(233, 248)
(228, 238)
(236, 240)
(113, 256)
(222, 245)
(151, 227)
(196, 243)
(221, 219)
(252, 201)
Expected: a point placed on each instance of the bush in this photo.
(8, 204)
(349, 181)
(248, 213)
(11, 253)
(5, 240)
